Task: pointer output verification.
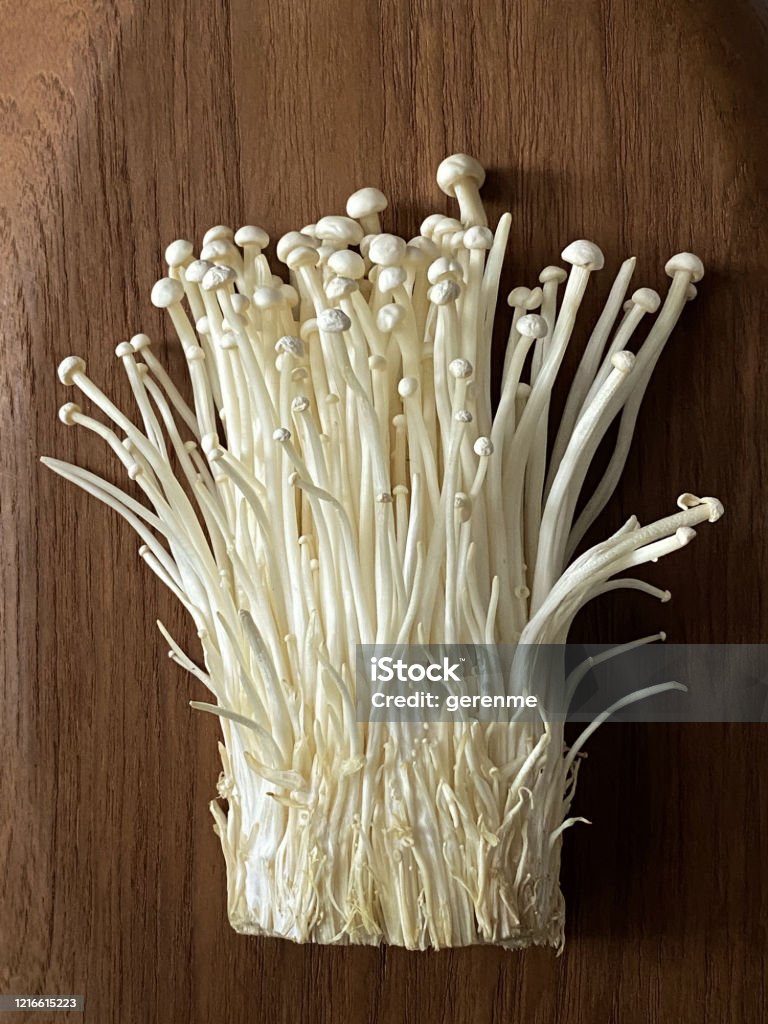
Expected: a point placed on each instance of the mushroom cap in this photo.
(426, 246)
(585, 254)
(333, 321)
(68, 368)
(228, 340)
(166, 292)
(429, 224)
(300, 403)
(218, 249)
(339, 287)
(647, 299)
(623, 361)
(125, 348)
(290, 343)
(390, 316)
(197, 270)
(251, 234)
(290, 295)
(178, 252)
(532, 326)
(347, 264)
(552, 273)
(444, 292)
(140, 341)
(67, 413)
(339, 229)
(240, 303)
(520, 296)
(686, 262)
(477, 237)
(483, 447)
(387, 250)
(365, 202)
(218, 233)
(293, 240)
(407, 386)
(390, 278)
(691, 291)
(461, 369)
(446, 226)
(459, 167)
(218, 277)
(445, 268)
(301, 256)
(267, 297)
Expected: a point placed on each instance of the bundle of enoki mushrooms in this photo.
(338, 477)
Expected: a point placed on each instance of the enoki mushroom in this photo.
(337, 475)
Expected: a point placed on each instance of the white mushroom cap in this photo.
(166, 292)
(250, 234)
(521, 297)
(478, 238)
(339, 229)
(347, 264)
(390, 278)
(218, 277)
(333, 321)
(365, 202)
(483, 447)
(443, 269)
(688, 500)
(68, 368)
(218, 233)
(426, 245)
(290, 295)
(290, 241)
(457, 168)
(339, 287)
(197, 270)
(178, 252)
(218, 249)
(301, 256)
(290, 343)
(125, 348)
(407, 386)
(429, 224)
(390, 316)
(140, 342)
(461, 369)
(240, 303)
(387, 250)
(266, 297)
(647, 299)
(228, 340)
(552, 273)
(585, 254)
(301, 403)
(623, 361)
(532, 326)
(685, 262)
(444, 292)
(307, 328)
(67, 413)
(446, 226)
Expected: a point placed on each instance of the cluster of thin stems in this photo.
(335, 474)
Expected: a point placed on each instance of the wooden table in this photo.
(126, 125)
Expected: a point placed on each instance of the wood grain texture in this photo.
(125, 125)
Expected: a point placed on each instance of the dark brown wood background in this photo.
(126, 125)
